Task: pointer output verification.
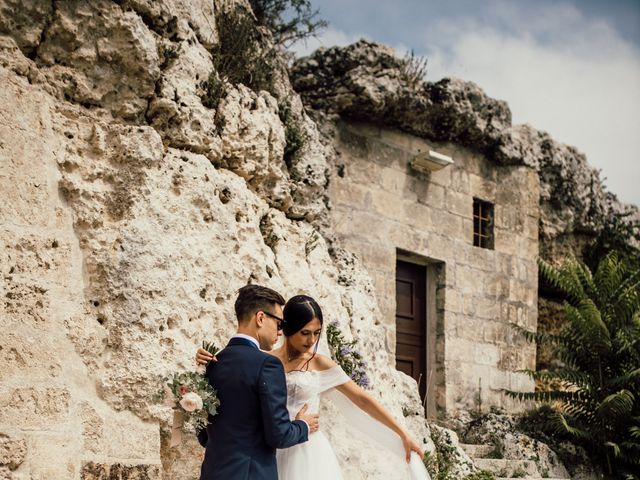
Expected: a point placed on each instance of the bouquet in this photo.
(192, 398)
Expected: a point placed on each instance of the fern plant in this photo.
(596, 397)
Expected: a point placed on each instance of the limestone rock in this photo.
(176, 110)
(99, 471)
(25, 21)
(500, 431)
(367, 81)
(93, 53)
(12, 451)
(170, 18)
(253, 144)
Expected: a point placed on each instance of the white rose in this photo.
(191, 402)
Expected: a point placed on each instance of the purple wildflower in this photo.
(363, 381)
(345, 350)
(334, 323)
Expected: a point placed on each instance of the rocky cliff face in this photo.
(131, 214)
(366, 81)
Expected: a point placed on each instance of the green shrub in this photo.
(597, 402)
(481, 475)
(519, 473)
(414, 69)
(288, 20)
(618, 233)
(498, 447)
(242, 55)
(442, 461)
(214, 91)
(293, 133)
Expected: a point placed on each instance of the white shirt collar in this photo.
(247, 337)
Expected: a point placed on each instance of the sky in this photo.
(571, 68)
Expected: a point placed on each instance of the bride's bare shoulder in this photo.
(323, 362)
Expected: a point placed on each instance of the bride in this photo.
(310, 374)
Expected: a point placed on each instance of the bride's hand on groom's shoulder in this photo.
(410, 445)
(203, 357)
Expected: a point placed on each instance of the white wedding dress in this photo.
(315, 459)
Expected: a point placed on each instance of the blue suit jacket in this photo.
(252, 420)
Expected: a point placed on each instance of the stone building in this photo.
(447, 294)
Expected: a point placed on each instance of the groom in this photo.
(252, 420)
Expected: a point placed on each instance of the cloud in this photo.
(559, 71)
(327, 38)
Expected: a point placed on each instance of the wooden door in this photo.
(411, 322)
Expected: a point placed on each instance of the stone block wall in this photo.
(383, 208)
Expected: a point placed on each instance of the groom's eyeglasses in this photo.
(275, 317)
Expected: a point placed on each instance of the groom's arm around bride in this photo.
(279, 431)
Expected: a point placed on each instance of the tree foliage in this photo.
(620, 233)
(597, 393)
(288, 20)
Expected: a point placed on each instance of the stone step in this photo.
(503, 467)
(477, 450)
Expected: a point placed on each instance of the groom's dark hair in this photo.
(253, 298)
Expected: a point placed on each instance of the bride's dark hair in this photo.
(299, 311)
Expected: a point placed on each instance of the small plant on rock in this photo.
(242, 55)
(345, 355)
(213, 91)
(293, 132)
(441, 463)
(498, 448)
(414, 69)
(519, 473)
(168, 53)
(481, 475)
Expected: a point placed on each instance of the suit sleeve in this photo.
(280, 432)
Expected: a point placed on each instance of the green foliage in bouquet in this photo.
(345, 355)
(191, 394)
(194, 396)
(596, 400)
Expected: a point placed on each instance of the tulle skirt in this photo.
(311, 460)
